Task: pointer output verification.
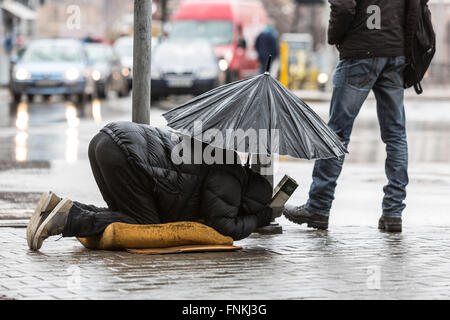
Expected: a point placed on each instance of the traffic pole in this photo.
(142, 45)
(264, 165)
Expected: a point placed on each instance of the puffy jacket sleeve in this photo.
(341, 17)
(220, 205)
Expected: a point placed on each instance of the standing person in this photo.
(266, 45)
(370, 37)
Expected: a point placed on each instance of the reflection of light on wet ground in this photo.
(21, 146)
(72, 133)
(20, 141)
(71, 116)
(22, 116)
(97, 110)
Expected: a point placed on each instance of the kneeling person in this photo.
(141, 184)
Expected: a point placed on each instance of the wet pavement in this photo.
(343, 263)
(43, 146)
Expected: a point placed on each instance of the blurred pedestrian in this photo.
(371, 42)
(266, 45)
(8, 44)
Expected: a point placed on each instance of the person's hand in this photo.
(277, 212)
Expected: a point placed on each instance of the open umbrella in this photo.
(262, 104)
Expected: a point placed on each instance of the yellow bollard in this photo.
(284, 64)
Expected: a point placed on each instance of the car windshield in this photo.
(183, 54)
(53, 53)
(98, 53)
(215, 32)
(124, 49)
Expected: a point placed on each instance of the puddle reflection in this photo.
(97, 110)
(21, 150)
(22, 117)
(54, 130)
(72, 141)
(21, 138)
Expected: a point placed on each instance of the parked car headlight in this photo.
(207, 74)
(323, 78)
(125, 72)
(223, 65)
(96, 75)
(72, 74)
(22, 74)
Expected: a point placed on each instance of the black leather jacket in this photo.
(353, 30)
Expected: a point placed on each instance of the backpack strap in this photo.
(418, 88)
(417, 85)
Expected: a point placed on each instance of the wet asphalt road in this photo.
(56, 130)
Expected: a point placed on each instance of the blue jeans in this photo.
(352, 81)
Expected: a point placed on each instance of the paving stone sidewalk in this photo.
(345, 262)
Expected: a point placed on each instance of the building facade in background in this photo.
(80, 18)
(23, 20)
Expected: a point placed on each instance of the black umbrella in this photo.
(261, 104)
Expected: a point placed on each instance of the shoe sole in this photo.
(318, 225)
(36, 243)
(390, 227)
(35, 219)
(311, 224)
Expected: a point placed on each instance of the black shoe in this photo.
(302, 215)
(390, 224)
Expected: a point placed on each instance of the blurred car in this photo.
(180, 67)
(231, 26)
(106, 70)
(123, 48)
(49, 67)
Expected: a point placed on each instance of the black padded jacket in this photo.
(352, 28)
(229, 198)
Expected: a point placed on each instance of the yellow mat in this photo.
(120, 236)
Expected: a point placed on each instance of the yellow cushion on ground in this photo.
(119, 236)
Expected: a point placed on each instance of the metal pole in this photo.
(142, 61)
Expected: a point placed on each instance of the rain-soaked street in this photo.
(43, 146)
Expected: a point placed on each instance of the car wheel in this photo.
(125, 91)
(81, 98)
(17, 97)
(101, 93)
(102, 90)
(46, 97)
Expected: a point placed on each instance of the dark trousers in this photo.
(127, 193)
